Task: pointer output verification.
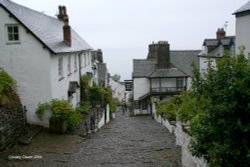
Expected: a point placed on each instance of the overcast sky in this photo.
(123, 29)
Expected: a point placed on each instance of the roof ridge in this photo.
(37, 23)
(243, 8)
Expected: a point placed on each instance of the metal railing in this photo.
(167, 89)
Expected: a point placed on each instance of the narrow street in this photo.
(125, 141)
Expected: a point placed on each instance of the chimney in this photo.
(163, 55)
(220, 34)
(67, 32)
(66, 28)
(62, 13)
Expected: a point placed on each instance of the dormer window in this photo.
(12, 33)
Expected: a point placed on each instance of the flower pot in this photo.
(57, 125)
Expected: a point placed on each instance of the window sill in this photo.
(61, 78)
(13, 43)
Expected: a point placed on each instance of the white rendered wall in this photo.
(60, 86)
(203, 64)
(243, 33)
(141, 87)
(28, 63)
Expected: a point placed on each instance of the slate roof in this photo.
(229, 40)
(244, 8)
(183, 59)
(181, 62)
(143, 68)
(171, 72)
(47, 29)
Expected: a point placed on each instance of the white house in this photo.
(243, 27)
(118, 90)
(163, 74)
(215, 48)
(43, 54)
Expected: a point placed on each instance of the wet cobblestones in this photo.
(124, 142)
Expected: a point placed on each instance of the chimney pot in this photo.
(66, 28)
(220, 34)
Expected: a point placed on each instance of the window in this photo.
(85, 60)
(179, 82)
(75, 62)
(12, 33)
(144, 105)
(69, 65)
(60, 68)
(136, 104)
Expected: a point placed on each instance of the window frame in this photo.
(14, 35)
(69, 65)
(60, 68)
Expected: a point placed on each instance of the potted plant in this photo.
(63, 116)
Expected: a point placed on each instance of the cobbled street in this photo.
(126, 141)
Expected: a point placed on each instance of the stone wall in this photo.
(95, 120)
(12, 125)
(182, 139)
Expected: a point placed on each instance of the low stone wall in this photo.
(12, 125)
(182, 139)
(95, 120)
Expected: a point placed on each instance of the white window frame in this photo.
(69, 65)
(75, 62)
(60, 67)
(12, 34)
(180, 82)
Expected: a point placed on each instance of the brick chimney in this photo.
(66, 28)
(220, 34)
(67, 32)
(62, 12)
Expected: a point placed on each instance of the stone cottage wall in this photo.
(12, 125)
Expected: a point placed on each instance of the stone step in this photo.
(32, 131)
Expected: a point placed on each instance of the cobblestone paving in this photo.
(125, 142)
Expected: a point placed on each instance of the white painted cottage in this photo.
(214, 48)
(243, 27)
(163, 74)
(43, 54)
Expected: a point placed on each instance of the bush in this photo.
(167, 109)
(8, 96)
(85, 108)
(6, 81)
(221, 133)
(60, 110)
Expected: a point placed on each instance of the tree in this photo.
(221, 132)
(116, 77)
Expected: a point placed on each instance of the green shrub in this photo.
(85, 108)
(6, 81)
(168, 110)
(74, 119)
(60, 110)
(221, 132)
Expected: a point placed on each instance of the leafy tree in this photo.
(116, 77)
(221, 132)
(85, 79)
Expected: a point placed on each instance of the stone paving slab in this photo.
(124, 142)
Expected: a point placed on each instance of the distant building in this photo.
(243, 27)
(215, 48)
(163, 74)
(44, 54)
(99, 68)
(118, 90)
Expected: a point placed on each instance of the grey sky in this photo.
(124, 28)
